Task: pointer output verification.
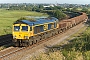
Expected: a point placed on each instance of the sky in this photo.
(47, 1)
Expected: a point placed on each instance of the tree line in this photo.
(56, 11)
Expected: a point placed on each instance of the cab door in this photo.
(31, 31)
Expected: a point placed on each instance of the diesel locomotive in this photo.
(26, 32)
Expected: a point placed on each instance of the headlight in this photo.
(14, 37)
(26, 37)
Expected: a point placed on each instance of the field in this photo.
(7, 17)
(74, 48)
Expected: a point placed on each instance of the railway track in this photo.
(14, 50)
(7, 55)
(11, 50)
(5, 39)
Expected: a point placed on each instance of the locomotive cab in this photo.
(20, 31)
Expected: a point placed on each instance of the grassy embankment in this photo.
(7, 17)
(77, 47)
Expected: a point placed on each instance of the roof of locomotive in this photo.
(38, 21)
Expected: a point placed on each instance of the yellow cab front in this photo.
(21, 31)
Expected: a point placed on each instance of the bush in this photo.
(24, 18)
(60, 15)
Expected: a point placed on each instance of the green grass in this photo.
(2, 47)
(89, 8)
(7, 17)
(79, 9)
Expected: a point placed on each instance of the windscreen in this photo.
(16, 28)
(24, 28)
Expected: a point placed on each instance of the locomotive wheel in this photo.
(17, 43)
(32, 43)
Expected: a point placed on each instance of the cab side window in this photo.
(30, 28)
